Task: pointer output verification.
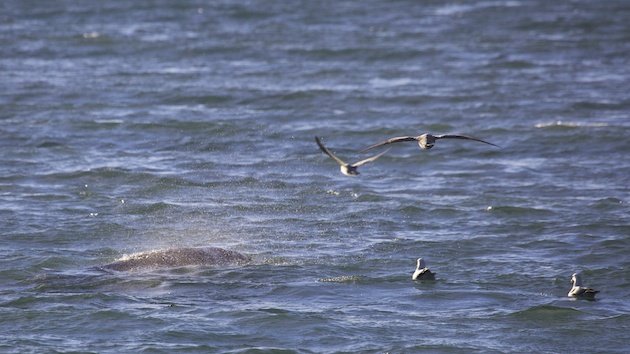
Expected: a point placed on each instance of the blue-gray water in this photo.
(140, 125)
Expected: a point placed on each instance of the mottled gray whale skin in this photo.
(178, 257)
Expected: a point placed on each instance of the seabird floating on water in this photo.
(580, 291)
(426, 141)
(348, 169)
(422, 271)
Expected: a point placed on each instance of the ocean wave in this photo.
(143, 209)
(548, 313)
(569, 124)
(509, 210)
(389, 83)
(610, 203)
(457, 9)
(109, 122)
(345, 279)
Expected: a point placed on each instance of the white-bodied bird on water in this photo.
(422, 271)
(580, 291)
(426, 141)
(348, 169)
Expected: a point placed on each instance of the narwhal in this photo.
(178, 257)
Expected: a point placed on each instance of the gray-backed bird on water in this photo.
(426, 141)
(348, 169)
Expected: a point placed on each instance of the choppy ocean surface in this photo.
(145, 125)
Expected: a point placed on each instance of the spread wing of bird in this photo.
(328, 152)
(465, 137)
(397, 139)
(369, 159)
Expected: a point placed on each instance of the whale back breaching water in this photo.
(178, 257)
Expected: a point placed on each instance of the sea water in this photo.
(132, 126)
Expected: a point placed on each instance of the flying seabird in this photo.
(425, 141)
(580, 291)
(348, 169)
(422, 272)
